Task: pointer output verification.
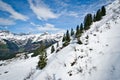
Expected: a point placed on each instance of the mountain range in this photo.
(11, 44)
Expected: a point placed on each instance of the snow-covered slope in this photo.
(96, 59)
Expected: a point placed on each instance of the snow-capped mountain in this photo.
(96, 59)
(24, 37)
(14, 43)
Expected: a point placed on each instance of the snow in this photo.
(17, 69)
(25, 37)
(96, 59)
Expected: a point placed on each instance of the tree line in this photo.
(88, 20)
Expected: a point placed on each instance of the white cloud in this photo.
(41, 10)
(45, 27)
(6, 22)
(74, 14)
(14, 14)
(34, 24)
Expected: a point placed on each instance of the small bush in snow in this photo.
(29, 74)
(79, 41)
(52, 49)
(70, 73)
(79, 70)
(73, 63)
(65, 44)
(87, 37)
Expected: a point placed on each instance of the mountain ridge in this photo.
(17, 43)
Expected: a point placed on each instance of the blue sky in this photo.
(37, 16)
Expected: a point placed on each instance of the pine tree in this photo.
(81, 28)
(64, 38)
(98, 15)
(72, 32)
(94, 18)
(67, 36)
(87, 21)
(52, 49)
(43, 57)
(77, 31)
(103, 11)
(42, 60)
(67, 39)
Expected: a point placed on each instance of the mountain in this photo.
(11, 43)
(98, 58)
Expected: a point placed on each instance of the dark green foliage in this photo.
(64, 38)
(3, 46)
(8, 50)
(65, 43)
(77, 30)
(103, 11)
(72, 32)
(94, 18)
(79, 41)
(67, 36)
(5, 56)
(81, 28)
(43, 56)
(5, 53)
(87, 21)
(42, 60)
(52, 49)
(11, 46)
(98, 15)
(67, 39)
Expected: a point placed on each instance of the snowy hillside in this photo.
(96, 59)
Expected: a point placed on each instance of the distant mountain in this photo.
(11, 43)
(97, 58)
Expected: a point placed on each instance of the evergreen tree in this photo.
(94, 18)
(81, 28)
(77, 31)
(67, 36)
(98, 15)
(43, 57)
(87, 21)
(103, 11)
(72, 32)
(52, 49)
(42, 60)
(64, 38)
(67, 39)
